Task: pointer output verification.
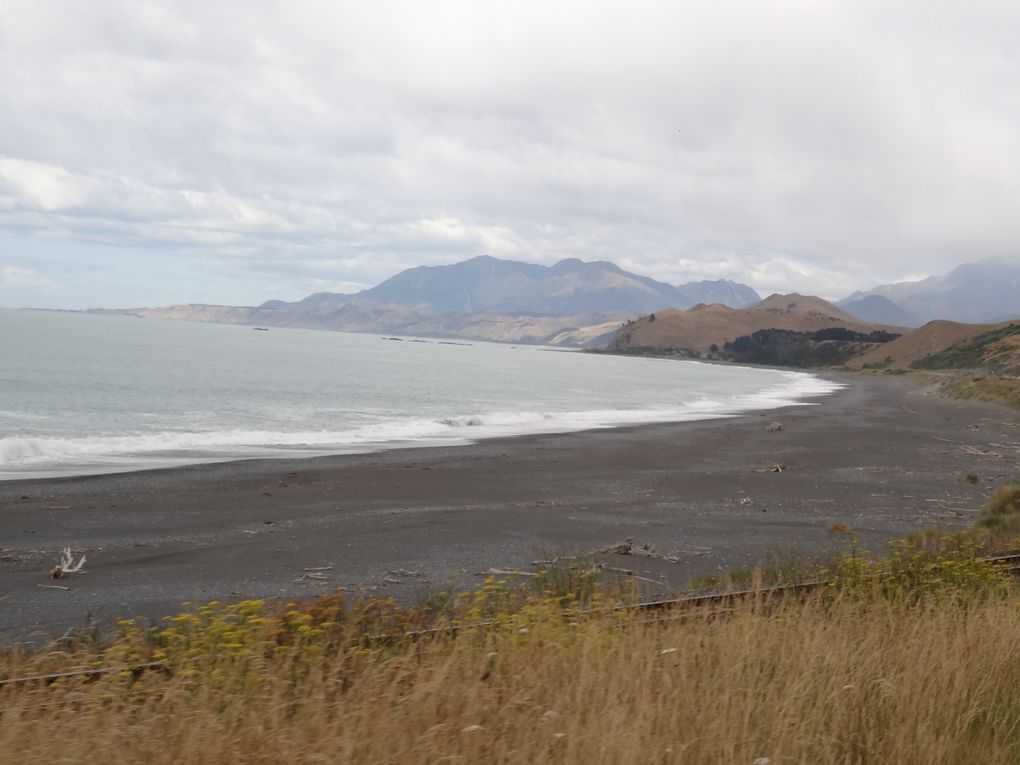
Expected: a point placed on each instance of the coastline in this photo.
(266, 403)
(878, 456)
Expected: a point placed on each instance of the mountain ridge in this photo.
(570, 286)
(982, 292)
(579, 303)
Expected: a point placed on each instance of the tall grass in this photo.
(990, 388)
(916, 662)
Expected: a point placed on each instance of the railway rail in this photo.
(1011, 562)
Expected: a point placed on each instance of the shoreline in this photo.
(792, 394)
(879, 456)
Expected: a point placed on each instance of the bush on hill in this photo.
(828, 347)
(969, 354)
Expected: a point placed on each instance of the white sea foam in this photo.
(33, 455)
(7, 414)
(153, 394)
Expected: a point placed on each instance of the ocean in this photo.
(84, 394)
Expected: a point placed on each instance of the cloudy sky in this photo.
(231, 152)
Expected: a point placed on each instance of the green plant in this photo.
(1005, 500)
(968, 354)
(918, 567)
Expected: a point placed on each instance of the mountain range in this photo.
(585, 304)
(571, 303)
(569, 287)
(987, 291)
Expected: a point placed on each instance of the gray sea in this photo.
(82, 393)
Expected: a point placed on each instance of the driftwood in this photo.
(627, 547)
(311, 576)
(67, 565)
(594, 569)
(779, 467)
(975, 452)
(506, 572)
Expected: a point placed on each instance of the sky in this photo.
(232, 152)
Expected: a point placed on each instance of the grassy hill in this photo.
(706, 329)
(997, 351)
(934, 337)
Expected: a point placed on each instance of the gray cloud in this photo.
(805, 145)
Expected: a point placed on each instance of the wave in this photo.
(21, 456)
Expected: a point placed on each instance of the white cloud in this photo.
(811, 145)
(12, 276)
(40, 186)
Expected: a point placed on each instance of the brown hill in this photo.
(933, 337)
(706, 325)
(806, 305)
(1005, 353)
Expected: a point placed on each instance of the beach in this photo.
(880, 456)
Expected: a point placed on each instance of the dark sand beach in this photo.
(880, 456)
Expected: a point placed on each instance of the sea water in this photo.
(82, 393)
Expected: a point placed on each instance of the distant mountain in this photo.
(984, 292)
(570, 303)
(795, 304)
(721, 291)
(878, 309)
(568, 287)
(703, 327)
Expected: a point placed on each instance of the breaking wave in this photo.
(24, 456)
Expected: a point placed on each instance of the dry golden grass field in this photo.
(911, 658)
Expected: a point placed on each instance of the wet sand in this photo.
(879, 456)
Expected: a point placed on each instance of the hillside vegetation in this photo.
(933, 338)
(786, 348)
(994, 389)
(995, 351)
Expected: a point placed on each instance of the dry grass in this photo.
(1005, 500)
(1000, 516)
(924, 671)
(996, 390)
